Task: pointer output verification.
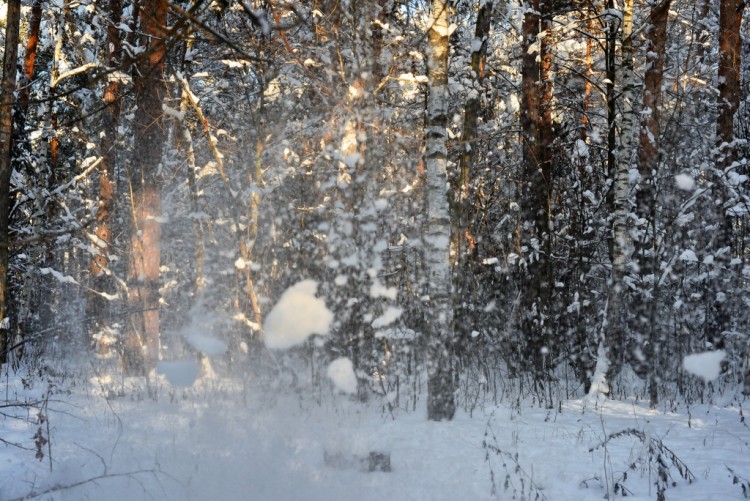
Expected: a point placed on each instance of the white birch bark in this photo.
(612, 333)
(439, 318)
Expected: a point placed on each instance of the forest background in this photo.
(549, 193)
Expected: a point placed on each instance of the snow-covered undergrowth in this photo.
(228, 439)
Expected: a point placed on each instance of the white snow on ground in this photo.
(706, 365)
(229, 441)
(297, 316)
(341, 372)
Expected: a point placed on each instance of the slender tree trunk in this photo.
(618, 199)
(702, 32)
(527, 321)
(728, 102)
(463, 232)
(98, 305)
(440, 386)
(7, 88)
(544, 220)
(464, 244)
(611, 338)
(587, 86)
(535, 197)
(142, 342)
(648, 161)
(185, 143)
(607, 338)
(31, 304)
(730, 59)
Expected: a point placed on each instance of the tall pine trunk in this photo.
(533, 321)
(648, 162)
(142, 341)
(7, 89)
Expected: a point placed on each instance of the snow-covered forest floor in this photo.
(227, 439)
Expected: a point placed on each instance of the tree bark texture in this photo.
(648, 162)
(440, 386)
(728, 103)
(142, 341)
(29, 63)
(463, 239)
(730, 56)
(7, 89)
(618, 197)
(536, 184)
(98, 314)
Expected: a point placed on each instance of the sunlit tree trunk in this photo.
(440, 386)
(184, 141)
(29, 62)
(7, 88)
(98, 304)
(142, 342)
(648, 162)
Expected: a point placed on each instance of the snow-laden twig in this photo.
(73, 485)
(659, 455)
(739, 479)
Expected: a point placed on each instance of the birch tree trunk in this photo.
(612, 339)
(619, 195)
(7, 88)
(440, 386)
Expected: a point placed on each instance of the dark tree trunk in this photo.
(533, 321)
(648, 162)
(7, 89)
(730, 60)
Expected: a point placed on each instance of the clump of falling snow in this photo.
(706, 365)
(685, 182)
(341, 372)
(297, 316)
